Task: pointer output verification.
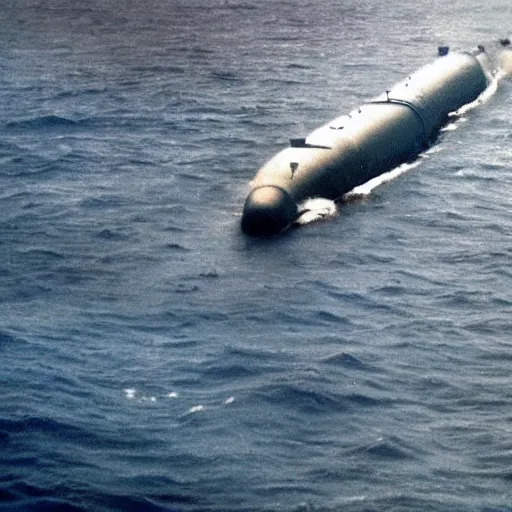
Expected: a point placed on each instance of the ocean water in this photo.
(153, 358)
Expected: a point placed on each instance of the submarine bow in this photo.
(371, 140)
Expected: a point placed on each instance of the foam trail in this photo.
(449, 127)
(486, 95)
(366, 188)
(316, 209)
(505, 59)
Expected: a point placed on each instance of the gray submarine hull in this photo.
(373, 139)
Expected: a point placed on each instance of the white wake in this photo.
(316, 209)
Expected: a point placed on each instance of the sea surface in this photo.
(153, 358)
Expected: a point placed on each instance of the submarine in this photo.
(350, 150)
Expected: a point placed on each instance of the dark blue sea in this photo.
(154, 358)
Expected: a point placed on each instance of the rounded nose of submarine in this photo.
(267, 211)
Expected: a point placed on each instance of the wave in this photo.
(305, 400)
(42, 122)
(80, 92)
(228, 76)
(314, 402)
(344, 359)
(241, 6)
(8, 339)
(23, 496)
(392, 448)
